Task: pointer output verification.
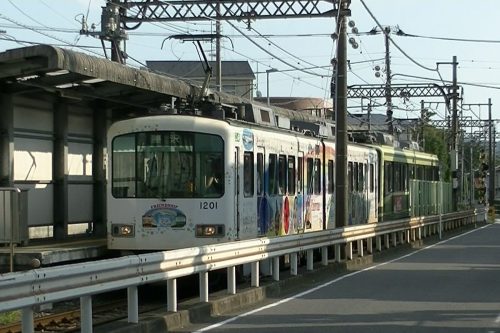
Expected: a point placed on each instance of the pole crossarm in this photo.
(399, 90)
(158, 11)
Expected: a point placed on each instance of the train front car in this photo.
(169, 183)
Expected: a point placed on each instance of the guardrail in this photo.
(24, 290)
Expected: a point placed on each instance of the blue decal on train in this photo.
(163, 217)
(247, 139)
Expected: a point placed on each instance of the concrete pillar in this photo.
(6, 141)
(98, 170)
(60, 170)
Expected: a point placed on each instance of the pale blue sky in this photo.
(479, 63)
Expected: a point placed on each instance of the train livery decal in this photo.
(164, 216)
(247, 139)
(280, 216)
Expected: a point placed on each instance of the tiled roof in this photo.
(194, 69)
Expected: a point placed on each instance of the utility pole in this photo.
(218, 61)
(340, 96)
(454, 136)
(388, 95)
(491, 159)
(423, 118)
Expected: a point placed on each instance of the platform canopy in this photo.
(43, 70)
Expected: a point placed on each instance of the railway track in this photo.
(69, 320)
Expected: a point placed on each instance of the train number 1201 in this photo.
(208, 205)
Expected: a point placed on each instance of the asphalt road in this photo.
(451, 286)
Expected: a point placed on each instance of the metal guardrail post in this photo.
(27, 323)
(172, 295)
(132, 304)
(11, 243)
(86, 314)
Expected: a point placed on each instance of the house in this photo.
(237, 76)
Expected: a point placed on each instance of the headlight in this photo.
(209, 230)
(123, 230)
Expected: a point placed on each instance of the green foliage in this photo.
(10, 317)
(436, 142)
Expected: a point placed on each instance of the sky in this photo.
(292, 44)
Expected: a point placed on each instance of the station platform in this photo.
(46, 253)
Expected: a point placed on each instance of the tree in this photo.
(436, 143)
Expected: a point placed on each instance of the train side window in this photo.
(397, 177)
(282, 173)
(273, 174)
(330, 176)
(405, 176)
(317, 176)
(355, 172)
(372, 177)
(349, 176)
(291, 175)
(310, 175)
(388, 177)
(300, 175)
(361, 177)
(248, 180)
(260, 173)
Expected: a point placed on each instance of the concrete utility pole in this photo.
(454, 136)
(341, 182)
(388, 95)
(218, 61)
(491, 158)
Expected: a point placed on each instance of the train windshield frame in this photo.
(167, 164)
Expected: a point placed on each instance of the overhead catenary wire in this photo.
(392, 41)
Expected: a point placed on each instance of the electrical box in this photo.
(14, 217)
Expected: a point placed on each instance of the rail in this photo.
(24, 290)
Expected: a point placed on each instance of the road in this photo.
(450, 286)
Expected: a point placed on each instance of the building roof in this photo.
(194, 69)
(298, 103)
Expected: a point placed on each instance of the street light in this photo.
(271, 70)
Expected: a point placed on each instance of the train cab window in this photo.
(282, 174)
(260, 173)
(123, 167)
(291, 175)
(167, 164)
(330, 176)
(273, 175)
(248, 180)
(300, 175)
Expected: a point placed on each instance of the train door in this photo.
(237, 172)
(262, 203)
(247, 200)
(299, 200)
(371, 190)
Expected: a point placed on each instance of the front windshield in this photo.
(167, 164)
